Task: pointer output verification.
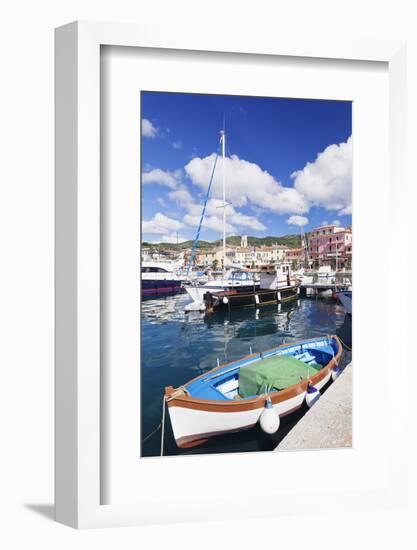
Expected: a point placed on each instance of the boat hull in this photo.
(195, 420)
(160, 287)
(250, 298)
(194, 426)
(346, 299)
(197, 292)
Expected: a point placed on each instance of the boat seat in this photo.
(306, 357)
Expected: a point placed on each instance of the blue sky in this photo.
(289, 164)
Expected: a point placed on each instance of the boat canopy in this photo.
(273, 374)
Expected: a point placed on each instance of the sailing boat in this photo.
(238, 280)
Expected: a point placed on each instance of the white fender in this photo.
(269, 419)
(312, 395)
(336, 372)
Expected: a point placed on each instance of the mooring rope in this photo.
(159, 425)
(163, 425)
(344, 343)
(153, 432)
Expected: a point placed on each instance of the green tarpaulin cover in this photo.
(273, 373)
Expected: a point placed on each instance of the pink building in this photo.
(330, 244)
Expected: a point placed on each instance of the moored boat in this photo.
(233, 397)
(346, 298)
(275, 286)
(160, 278)
(238, 281)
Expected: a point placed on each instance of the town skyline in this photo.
(325, 245)
(295, 235)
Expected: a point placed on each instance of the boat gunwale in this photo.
(223, 293)
(220, 405)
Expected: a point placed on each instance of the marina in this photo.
(242, 335)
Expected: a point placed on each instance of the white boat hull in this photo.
(346, 302)
(193, 426)
(197, 292)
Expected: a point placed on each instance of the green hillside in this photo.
(292, 241)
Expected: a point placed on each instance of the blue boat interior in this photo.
(223, 383)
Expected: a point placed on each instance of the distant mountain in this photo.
(292, 241)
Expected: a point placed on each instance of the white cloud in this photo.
(169, 179)
(327, 181)
(177, 144)
(214, 213)
(161, 225)
(346, 211)
(184, 198)
(299, 221)
(161, 201)
(148, 129)
(242, 220)
(215, 208)
(325, 222)
(210, 222)
(171, 238)
(336, 223)
(246, 183)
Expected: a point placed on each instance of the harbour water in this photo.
(177, 347)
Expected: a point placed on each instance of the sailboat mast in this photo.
(336, 254)
(224, 198)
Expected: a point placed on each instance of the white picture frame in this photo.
(78, 259)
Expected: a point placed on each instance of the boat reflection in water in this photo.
(177, 347)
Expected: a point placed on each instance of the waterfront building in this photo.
(248, 256)
(330, 244)
(279, 253)
(326, 245)
(208, 257)
(296, 257)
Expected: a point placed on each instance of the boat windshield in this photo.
(241, 276)
(152, 269)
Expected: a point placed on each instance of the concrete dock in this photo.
(328, 424)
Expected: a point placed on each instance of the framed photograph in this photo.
(208, 337)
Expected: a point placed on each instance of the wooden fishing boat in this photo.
(275, 287)
(249, 298)
(257, 388)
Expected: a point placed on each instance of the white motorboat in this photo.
(234, 280)
(160, 278)
(346, 298)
